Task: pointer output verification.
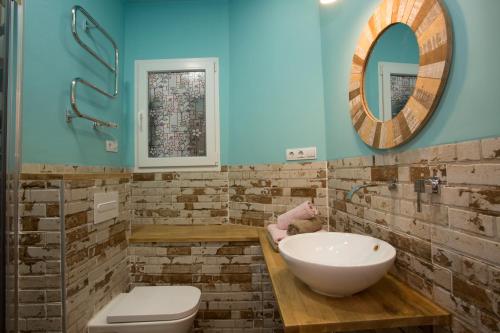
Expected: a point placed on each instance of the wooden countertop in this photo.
(388, 304)
(193, 233)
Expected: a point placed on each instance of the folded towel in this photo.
(304, 226)
(273, 244)
(304, 211)
(276, 233)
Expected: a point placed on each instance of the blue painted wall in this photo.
(397, 44)
(159, 29)
(276, 97)
(284, 67)
(468, 107)
(51, 60)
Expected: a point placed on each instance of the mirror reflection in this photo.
(391, 72)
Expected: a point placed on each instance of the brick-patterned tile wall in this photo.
(39, 273)
(11, 247)
(96, 262)
(450, 251)
(250, 195)
(236, 290)
(97, 265)
(180, 198)
(259, 193)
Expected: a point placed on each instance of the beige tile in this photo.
(479, 248)
(474, 174)
(469, 151)
(490, 148)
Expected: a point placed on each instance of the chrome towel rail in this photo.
(112, 67)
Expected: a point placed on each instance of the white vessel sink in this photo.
(337, 264)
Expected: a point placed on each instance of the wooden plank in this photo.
(401, 10)
(385, 14)
(358, 121)
(355, 82)
(376, 139)
(408, 10)
(422, 13)
(193, 233)
(354, 93)
(387, 134)
(417, 6)
(388, 304)
(395, 10)
(402, 129)
(367, 129)
(433, 71)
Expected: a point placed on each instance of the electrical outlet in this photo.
(297, 154)
(112, 146)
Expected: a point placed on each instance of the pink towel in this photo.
(276, 233)
(304, 211)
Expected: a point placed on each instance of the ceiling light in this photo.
(326, 2)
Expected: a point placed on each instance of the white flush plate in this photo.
(105, 206)
(297, 154)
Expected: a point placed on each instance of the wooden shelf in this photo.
(388, 304)
(193, 233)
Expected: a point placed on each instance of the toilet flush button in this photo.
(105, 206)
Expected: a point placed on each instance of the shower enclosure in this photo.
(9, 164)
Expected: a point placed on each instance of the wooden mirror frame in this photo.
(430, 22)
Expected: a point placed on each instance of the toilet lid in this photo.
(155, 304)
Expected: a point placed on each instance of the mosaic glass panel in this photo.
(402, 86)
(177, 114)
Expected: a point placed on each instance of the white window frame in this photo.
(211, 161)
(385, 70)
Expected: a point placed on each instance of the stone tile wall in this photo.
(97, 265)
(180, 198)
(95, 256)
(11, 250)
(236, 290)
(259, 193)
(249, 195)
(450, 251)
(39, 267)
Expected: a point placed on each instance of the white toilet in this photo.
(149, 310)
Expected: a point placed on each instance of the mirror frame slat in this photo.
(431, 24)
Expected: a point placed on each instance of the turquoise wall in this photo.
(276, 97)
(467, 110)
(284, 72)
(51, 60)
(270, 68)
(159, 29)
(397, 44)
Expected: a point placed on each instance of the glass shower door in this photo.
(8, 175)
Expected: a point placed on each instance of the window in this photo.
(396, 84)
(177, 108)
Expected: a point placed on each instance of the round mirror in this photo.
(391, 72)
(399, 70)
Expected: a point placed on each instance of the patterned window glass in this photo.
(402, 86)
(177, 114)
